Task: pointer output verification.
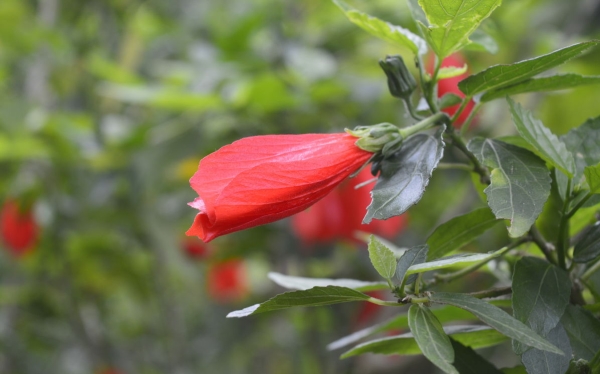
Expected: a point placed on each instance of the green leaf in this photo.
(451, 261)
(448, 100)
(451, 71)
(452, 21)
(431, 338)
(551, 83)
(466, 361)
(459, 231)
(415, 255)
(583, 142)
(405, 344)
(540, 295)
(592, 176)
(520, 182)
(496, 318)
(382, 258)
(542, 362)
(501, 76)
(595, 363)
(588, 247)
(301, 283)
(481, 41)
(315, 296)
(384, 30)
(515, 370)
(548, 146)
(405, 175)
(583, 330)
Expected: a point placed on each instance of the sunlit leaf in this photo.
(382, 258)
(302, 283)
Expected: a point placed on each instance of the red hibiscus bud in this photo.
(227, 281)
(450, 85)
(262, 179)
(18, 228)
(195, 249)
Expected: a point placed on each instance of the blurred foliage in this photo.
(106, 106)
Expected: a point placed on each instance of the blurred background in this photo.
(106, 107)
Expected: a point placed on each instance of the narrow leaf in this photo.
(592, 176)
(451, 71)
(451, 22)
(583, 142)
(541, 293)
(520, 182)
(413, 256)
(315, 296)
(405, 344)
(301, 283)
(548, 146)
(404, 176)
(466, 361)
(431, 338)
(382, 258)
(500, 76)
(496, 318)
(459, 231)
(450, 261)
(551, 83)
(543, 362)
(588, 247)
(583, 330)
(384, 30)
(448, 100)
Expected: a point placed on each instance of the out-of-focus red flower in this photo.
(110, 371)
(18, 228)
(450, 85)
(227, 281)
(262, 179)
(339, 215)
(195, 249)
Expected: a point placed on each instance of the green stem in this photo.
(467, 123)
(461, 108)
(425, 124)
(588, 273)
(374, 300)
(428, 87)
(411, 109)
(459, 143)
(455, 166)
(494, 292)
(543, 245)
(418, 283)
(562, 242)
(419, 300)
(579, 204)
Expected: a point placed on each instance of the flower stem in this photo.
(562, 242)
(374, 300)
(579, 204)
(459, 143)
(456, 166)
(544, 246)
(494, 292)
(425, 124)
(411, 109)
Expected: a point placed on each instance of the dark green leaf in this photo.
(541, 293)
(588, 247)
(405, 175)
(547, 145)
(542, 362)
(583, 142)
(466, 361)
(315, 296)
(520, 182)
(415, 255)
(552, 83)
(496, 318)
(301, 283)
(449, 99)
(405, 344)
(459, 231)
(431, 338)
(384, 30)
(592, 176)
(500, 76)
(451, 22)
(515, 370)
(382, 258)
(595, 363)
(583, 330)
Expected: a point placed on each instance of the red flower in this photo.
(262, 179)
(339, 215)
(227, 281)
(194, 248)
(18, 228)
(450, 85)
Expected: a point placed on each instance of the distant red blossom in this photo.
(340, 214)
(227, 281)
(18, 228)
(195, 249)
(262, 179)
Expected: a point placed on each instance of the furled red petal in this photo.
(261, 179)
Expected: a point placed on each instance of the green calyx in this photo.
(377, 137)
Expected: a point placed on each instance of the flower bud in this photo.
(374, 138)
(400, 81)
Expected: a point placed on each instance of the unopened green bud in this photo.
(400, 81)
(374, 138)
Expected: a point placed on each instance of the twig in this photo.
(494, 292)
(544, 246)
